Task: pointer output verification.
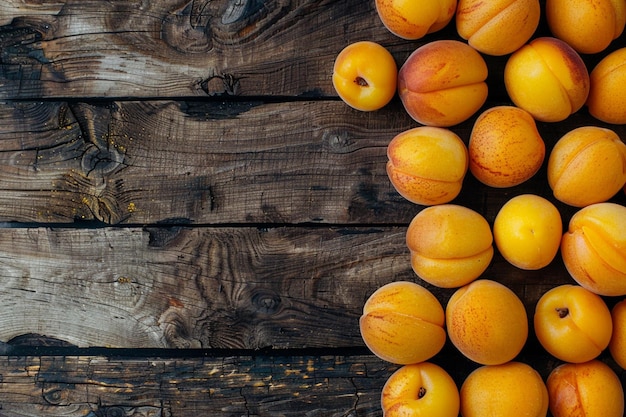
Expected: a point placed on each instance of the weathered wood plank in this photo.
(243, 288)
(217, 162)
(176, 48)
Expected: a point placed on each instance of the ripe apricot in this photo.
(547, 78)
(607, 100)
(403, 323)
(617, 345)
(442, 83)
(414, 19)
(587, 165)
(594, 248)
(527, 231)
(427, 164)
(420, 389)
(450, 245)
(509, 389)
(505, 147)
(573, 324)
(497, 27)
(365, 75)
(487, 322)
(589, 389)
(588, 26)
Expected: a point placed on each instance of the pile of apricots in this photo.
(441, 84)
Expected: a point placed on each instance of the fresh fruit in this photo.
(617, 345)
(589, 389)
(427, 164)
(509, 389)
(606, 102)
(414, 19)
(587, 165)
(527, 231)
(403, 323)
(497, 27)
(365, 75)
(450, 245)
(422, 389)
(547, 78)
(588, 26)
(594, 248)
(505, 147)
(487, 322)
(572, 323)
(442, 83)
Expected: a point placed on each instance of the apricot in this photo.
(617, 345)
(587, 165)
(365, 75)
(509, 389)
(505, 147)
(427, 164)
(487, 322)
(450, 245)
(497, 27)
(527, 231)
(414, 19)
(421, 389)
(594, 248)
(442, 83)
(403, 323)
(589, 389)
(588, 26)
(607, 97)
(573, 324)
(547, 78)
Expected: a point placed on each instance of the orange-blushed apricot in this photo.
(588, 26)
(607, 94)
(442, 83)
(587, 165)
(617, 345)
(497, 27)
(450, 245)
(547, 78)
(487, 322)
(505, 147)
(403, 323)
(427, 165)
(594, 248)
(415, 19)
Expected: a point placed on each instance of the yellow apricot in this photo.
(527, 231)
(587, 165)
(442, 83)
(589, 389)
(547, 78)
(607, 95)
(617, 345)
(594, 248)
(403, 323)
(420, 389)
(450, 245)
(427, 165)
(505, 147)
(487, 322)
(588, 26)
(509, 389)
(497, 27)
(414, 19)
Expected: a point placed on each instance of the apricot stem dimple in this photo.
(421, 393)
(562, 311)
(361, 81)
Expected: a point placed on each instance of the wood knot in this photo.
(266, 301)
(101, 161)
(56, 396)
(338, 141)
(188, 30)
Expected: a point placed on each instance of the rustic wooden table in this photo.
(192, 220)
